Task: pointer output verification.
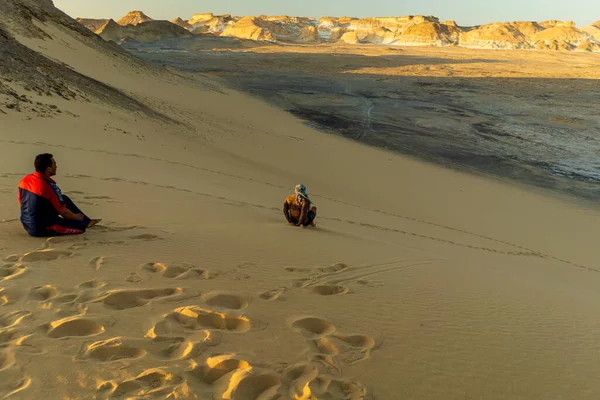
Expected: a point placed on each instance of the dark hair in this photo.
(42, 162)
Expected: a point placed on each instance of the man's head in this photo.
(45, 164)
(300, 189)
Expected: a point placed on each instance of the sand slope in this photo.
(418, 283)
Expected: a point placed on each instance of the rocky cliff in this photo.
(150, 31)
(402, 31)
(134, 18)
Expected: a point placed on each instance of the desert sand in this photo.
(418, 282)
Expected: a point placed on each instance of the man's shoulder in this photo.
(291, 198)
(36, 184)
(29, 179)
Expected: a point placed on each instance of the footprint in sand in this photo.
(65, 299)
(176, 270)
(337, 389)
(294, 269)
(12, 319)
(97, 263)
(13, 258)
(196, 318)
(104, 228)
(45, 255)
(125, 299)
(329, 290)
(3, 297)
(183, 348)
(323, 346)
(218, 367)
(146, 237)
(11, 271)
(97, 197)
(225, 300)
(13, 382)
(73, 242)
(233, 378)
(297, 378)
(327, 345)
(255, 387)
(7, 359)
(334, 269)
(43, 293)
(93, 284)
(73, 327)
(312, 327)
(109, 350)
(355, 348)
(304, 282)
(272, 295)
(152, 383)
(134, 277)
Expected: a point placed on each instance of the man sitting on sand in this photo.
(297, 208)
(45, 211)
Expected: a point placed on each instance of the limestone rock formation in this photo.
(92, 24)
(498, 35)
(134, 18)
(145, 32)
(350, 37)
(336, 34)
(183, 24)
(553, 23)
(247, 28)
(413, 30)
(593, 30)
(210, 23)
(560, 37)
(308, 34)
(427, 34)
(588, 45)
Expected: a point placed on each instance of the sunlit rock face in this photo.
(413, 30)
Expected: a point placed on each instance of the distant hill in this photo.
(150, 31)
(402, 31)
(134, 18)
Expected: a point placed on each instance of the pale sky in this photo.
(464, 12)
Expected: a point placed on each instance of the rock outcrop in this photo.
(308, 34)
(593, 30)
(588, 45)
(560, 37)
(92, 24)
(183, 24)
(247, 28)
(210, 23)
(350, 37)
(414, 30)
(495, 36)
(134, 18)
(426, 34)
(145, 32)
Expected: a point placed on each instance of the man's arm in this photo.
(303, 213)
(68, 214)
(286, 211)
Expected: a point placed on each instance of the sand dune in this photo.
(419, 282)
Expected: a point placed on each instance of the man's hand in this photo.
(69, 215)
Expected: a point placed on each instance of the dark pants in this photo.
(63, 226)
(310, 218)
